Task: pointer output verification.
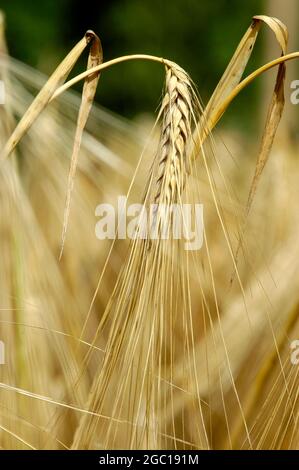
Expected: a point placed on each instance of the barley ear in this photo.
(175, 136)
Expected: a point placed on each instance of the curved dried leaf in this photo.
(43, 97)
(89, 89)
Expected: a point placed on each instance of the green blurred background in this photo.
(200, 35)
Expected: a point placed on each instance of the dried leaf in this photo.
(275, 108)
(273, 118)
(89, 89)
(228, 88)
(234, 70)
(272, 121)
(43, 97)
